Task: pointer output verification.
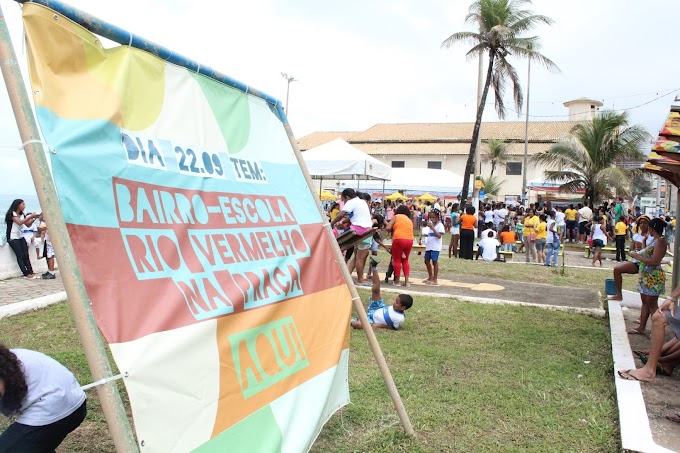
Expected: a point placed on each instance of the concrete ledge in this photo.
(595, 312)
(31, 304)
(636, 434)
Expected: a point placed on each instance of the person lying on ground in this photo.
(666, 314)
(379, 315)
(45, 397)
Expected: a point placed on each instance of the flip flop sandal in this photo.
(643, 357)
(674, 417)
(628, 376)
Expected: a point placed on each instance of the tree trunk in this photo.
(493, 167)
(475, 134)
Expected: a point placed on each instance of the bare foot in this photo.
(636, 332)
(616, 297)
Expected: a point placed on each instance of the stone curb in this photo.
(31, 304)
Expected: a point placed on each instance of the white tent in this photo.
(421, 180)
(340, 160)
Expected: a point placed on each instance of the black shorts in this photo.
(598, 243)
(582, 228)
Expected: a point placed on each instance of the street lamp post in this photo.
(288, 78)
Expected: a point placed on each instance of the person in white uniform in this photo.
(43, 395)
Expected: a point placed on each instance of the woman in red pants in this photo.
(401, 227)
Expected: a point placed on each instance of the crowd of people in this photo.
(26, 231)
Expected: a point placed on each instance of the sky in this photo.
(360, 63)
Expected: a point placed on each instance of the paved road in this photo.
(19, 289)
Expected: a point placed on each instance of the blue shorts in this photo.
(431, 255)
(374, 305)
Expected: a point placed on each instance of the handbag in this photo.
(532, 237)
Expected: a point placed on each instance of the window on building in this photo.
(398, 164)
(434, 164)
(513, 168)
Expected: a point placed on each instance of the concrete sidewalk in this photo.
(18, 295)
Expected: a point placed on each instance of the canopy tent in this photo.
(421, 180)
(396, 196)
(427, 197)
(327, 196)
(340, 160)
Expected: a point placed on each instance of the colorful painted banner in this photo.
(201, 248)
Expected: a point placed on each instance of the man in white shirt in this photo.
(502, 215)
(379, 315)
(487, 247)
(585, 215)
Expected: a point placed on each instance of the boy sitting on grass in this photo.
(380, 316)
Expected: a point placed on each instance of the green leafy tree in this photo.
(501, 26)
(496, 153)
(492, 185)
(586, 158)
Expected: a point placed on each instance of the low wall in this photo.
(9, 267)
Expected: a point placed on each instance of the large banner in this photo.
(201, 248)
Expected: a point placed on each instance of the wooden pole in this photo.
(356, 300)
(95, 351)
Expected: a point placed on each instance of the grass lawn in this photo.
(482, 378)
(472, 377)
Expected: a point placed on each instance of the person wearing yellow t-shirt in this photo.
(620, 229)
(570, 217)
(531, 221)
(541, 237)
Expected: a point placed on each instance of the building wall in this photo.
(456, 163)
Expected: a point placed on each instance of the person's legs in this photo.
(648, 372)
(620, 248)
(26, 257)
(405, 263)
(397, 251)
(556, 247)
(625, 268)
(25, 438)
(532, 249)
(548, 254)
(649, 306)
(15, 245)
(527, 247)
(435, 268)
(455, 238)
(362, 255)
(428, 266)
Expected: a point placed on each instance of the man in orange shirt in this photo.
(507, 239)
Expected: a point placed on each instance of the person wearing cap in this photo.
(641, 239)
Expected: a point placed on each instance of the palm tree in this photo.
(586, 159)
(501, 23)
(492, 186)
(496, 153)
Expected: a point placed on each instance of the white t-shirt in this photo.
(551, 237)
(585, 214)
(488, 216)
(496, 216)
(15, 232)
(358, 212)
(53, 392)
(433, 242)
(502, 214)
(396, 317)
(489, 248)
(559, 217)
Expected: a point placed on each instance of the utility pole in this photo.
(288, 79)
(526, 141)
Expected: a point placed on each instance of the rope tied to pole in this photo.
(104, 381)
